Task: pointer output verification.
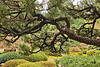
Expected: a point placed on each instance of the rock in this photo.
(9, 49)
(1, 64)
(75, 49)
(83, 45)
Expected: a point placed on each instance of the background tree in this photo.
(30, 19)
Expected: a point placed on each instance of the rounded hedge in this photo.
(40, 56)
(13, 63)
(9, 56)
(28, 65)
(97, 52)
(38, 64)
(91, 52)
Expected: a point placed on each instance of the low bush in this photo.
(13, 63)
(40, 56)
(38, 64)
(91, 52)
(9, 56)
(78, 61)
(97, 52)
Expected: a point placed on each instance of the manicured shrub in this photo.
(97, 52)
(38, 64)
(78, 61)
(40, 56)
(9, 56)
(28, 65)
(91, 52)
(13, 63)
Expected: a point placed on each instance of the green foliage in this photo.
(52, 54)
(91, 52)
(40, 56)
(13, 63)
(84, 51)
(38, 64)
(24, 49)
(91, 47)
(80, 53)
(97, 52)
(29, 6)
(79, 61)
(9, 56)
(57, 62)
(28, 65)
(71, 42)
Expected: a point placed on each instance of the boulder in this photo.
(75, 49)
(83, 45)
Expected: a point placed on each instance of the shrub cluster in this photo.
(9, 56)
(15, 62)
(40, 56)
(79, 61)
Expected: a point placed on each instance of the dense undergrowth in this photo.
(78, 61)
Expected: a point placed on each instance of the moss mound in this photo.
(97, 52)
(38, 64)
(13, 63)
(40, 56)
(91, 52)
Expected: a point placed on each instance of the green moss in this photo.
(91, 52)
(28, 65)
(80, 53)
(13, 63)
(38, 64)
(9, 56)
(40, 56)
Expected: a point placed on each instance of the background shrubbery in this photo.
(9, 56)
(79, 61)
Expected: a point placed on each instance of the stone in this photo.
(75, 49)
(83, 45)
